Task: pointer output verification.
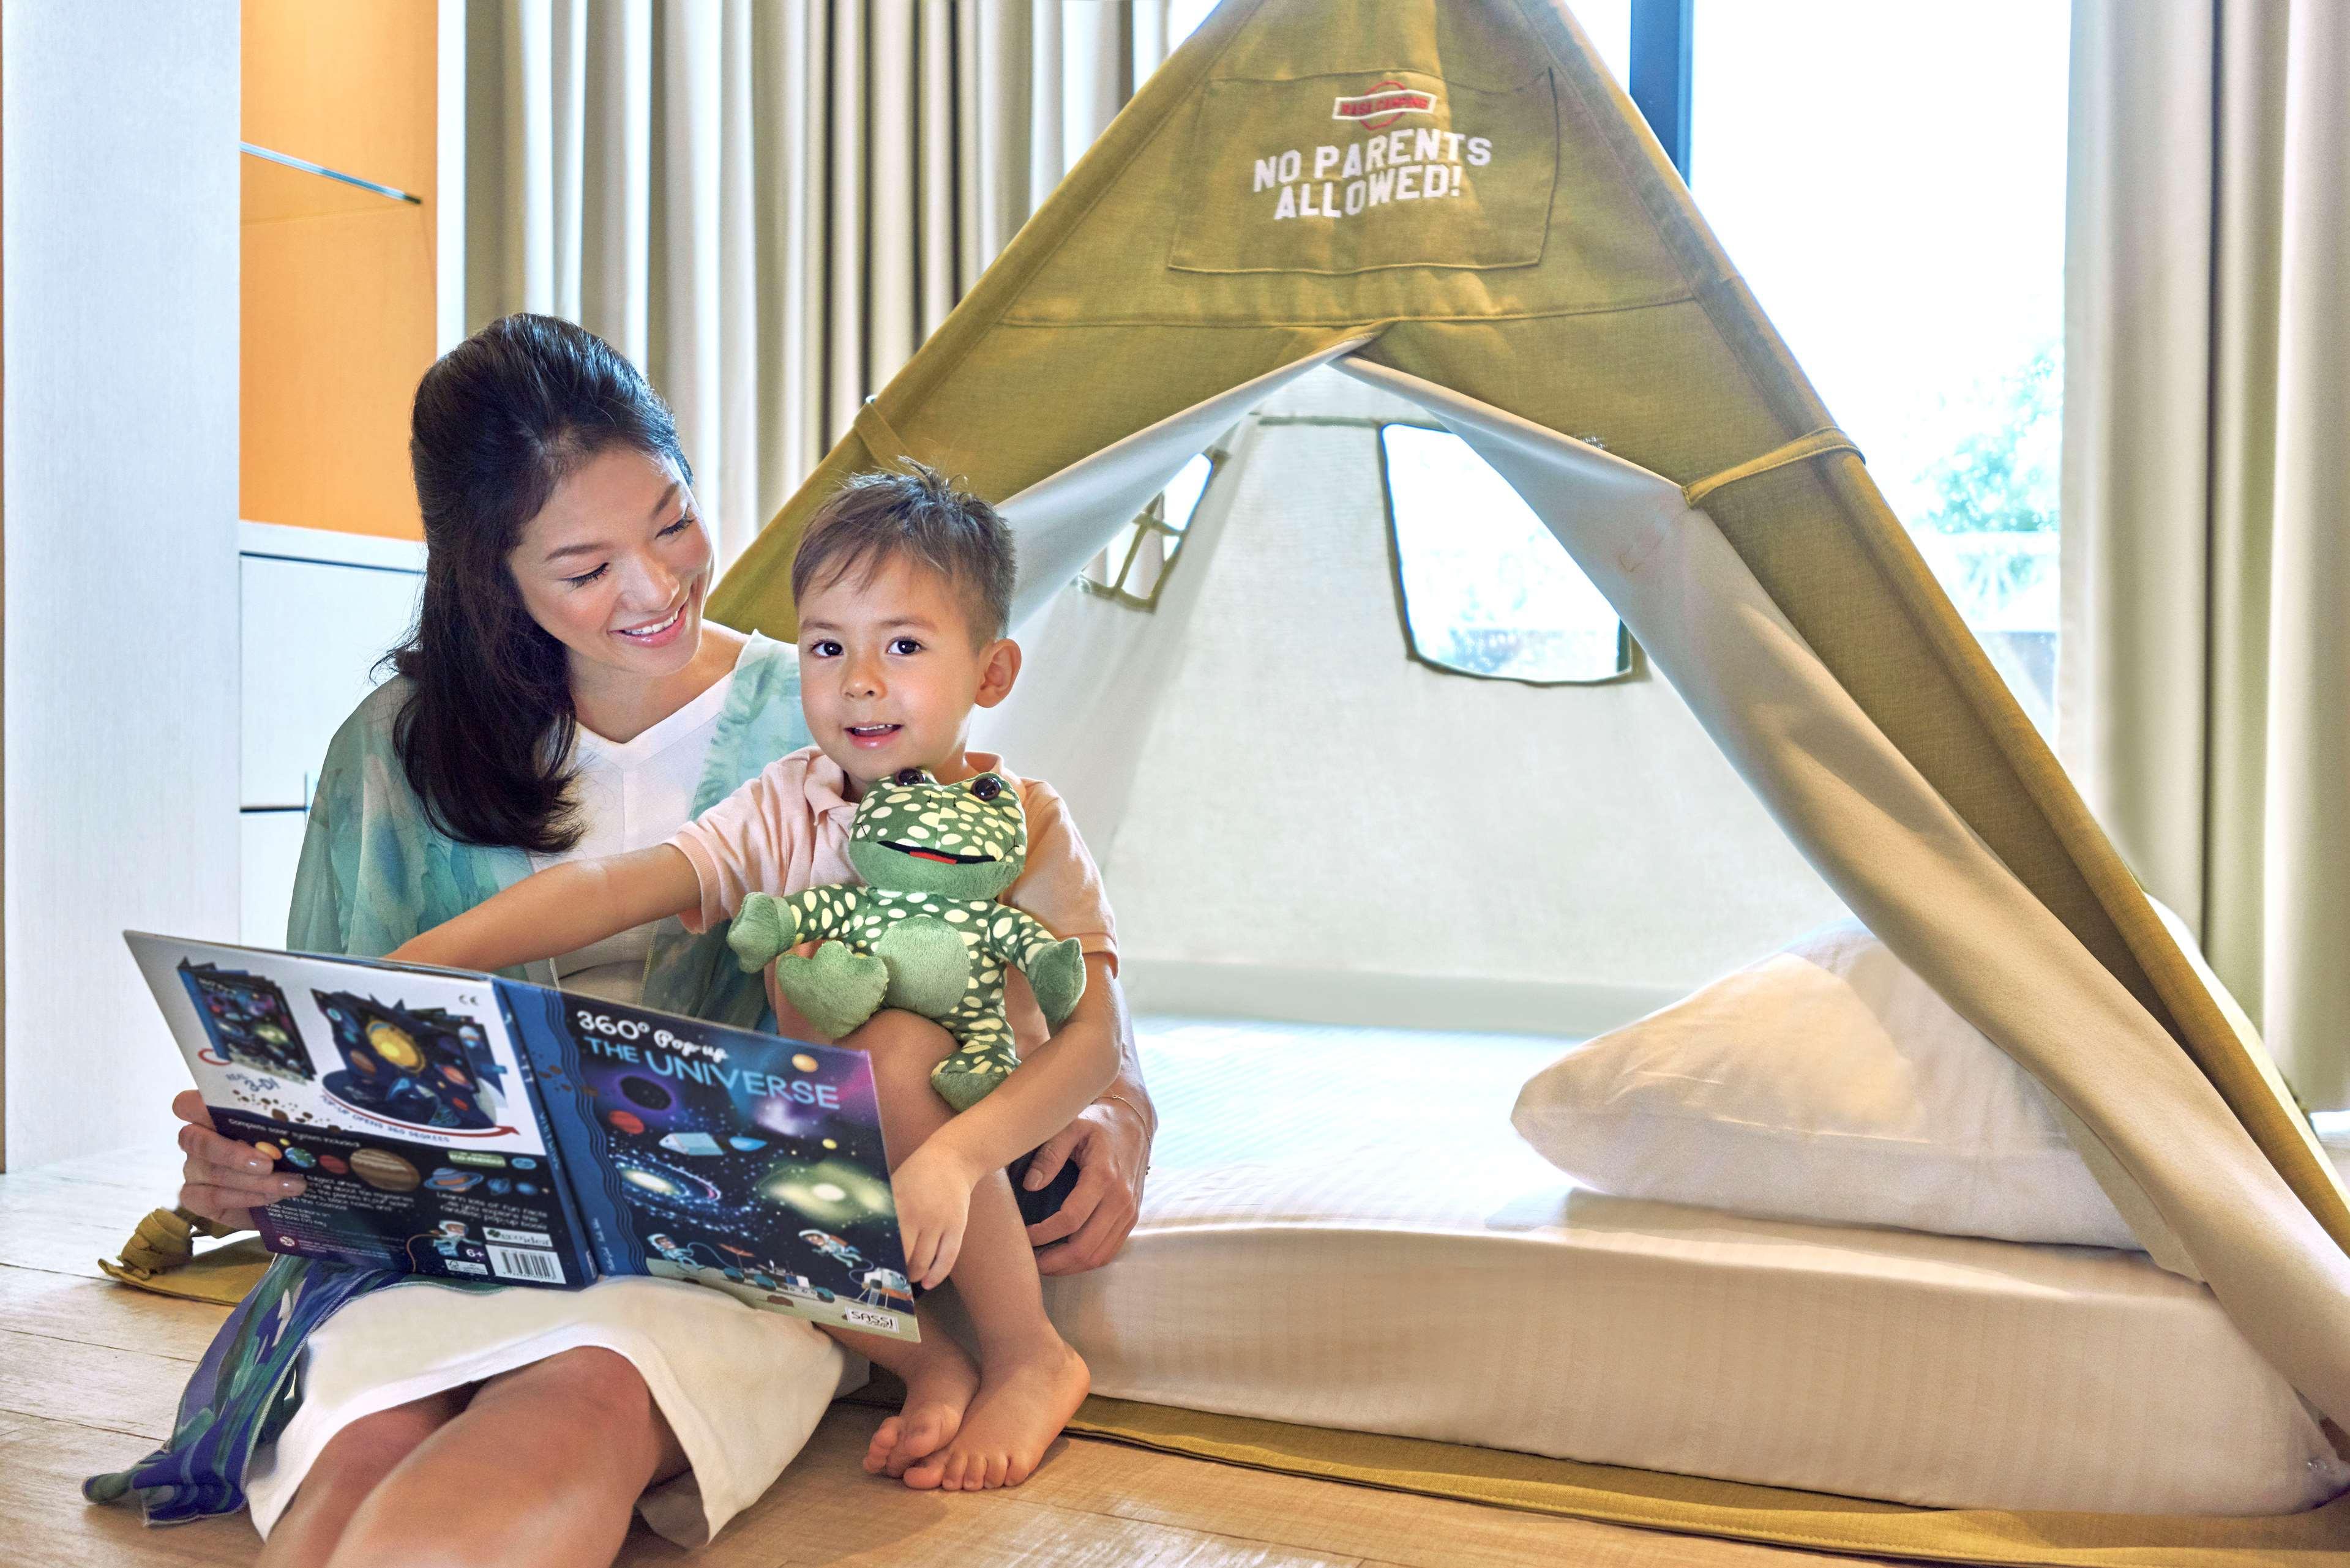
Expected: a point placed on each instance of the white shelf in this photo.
(329, 547)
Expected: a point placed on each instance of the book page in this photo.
(396, 1094)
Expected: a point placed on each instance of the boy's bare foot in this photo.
(939, 1383)
(1023, 1402)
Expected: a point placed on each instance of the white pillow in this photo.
(1827, 1083)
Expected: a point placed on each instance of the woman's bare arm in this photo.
(1109, 1142)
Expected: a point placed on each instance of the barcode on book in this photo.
(522, 1263)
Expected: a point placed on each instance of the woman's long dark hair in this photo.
(485, 736)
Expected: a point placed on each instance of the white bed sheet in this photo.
(1340, 1228)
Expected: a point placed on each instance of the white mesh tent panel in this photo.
(1295, 817)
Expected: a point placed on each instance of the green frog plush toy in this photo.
(924, 932)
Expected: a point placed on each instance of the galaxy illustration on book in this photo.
(747, 1162)
(247, 1020)
(423, 1067)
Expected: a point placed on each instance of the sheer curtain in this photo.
(768, 205)
(2206, 682)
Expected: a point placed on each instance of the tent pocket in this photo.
(1354, 173)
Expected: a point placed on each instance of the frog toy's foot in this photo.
(764, 927)
(930, 966)
(836, 991)
(984, 1059)
(1059, 978)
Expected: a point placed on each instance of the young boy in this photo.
(903, 587)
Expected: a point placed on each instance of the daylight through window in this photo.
(1132, 567)
(1922, 287)
(1487, 589)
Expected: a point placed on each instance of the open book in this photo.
(469, 1127)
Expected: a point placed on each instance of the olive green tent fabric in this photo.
(1692, 1506)
(1624, 321)
(1459, 182)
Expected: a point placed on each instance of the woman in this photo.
(562, 695)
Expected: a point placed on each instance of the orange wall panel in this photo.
(339, 286)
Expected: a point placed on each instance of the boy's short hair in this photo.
(912, 513)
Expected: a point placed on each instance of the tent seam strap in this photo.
(1812, 443)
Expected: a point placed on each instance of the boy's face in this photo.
(889, 673)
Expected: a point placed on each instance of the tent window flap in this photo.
(1132, 567)
(1482, 588)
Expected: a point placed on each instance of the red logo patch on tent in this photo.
(1385, 103)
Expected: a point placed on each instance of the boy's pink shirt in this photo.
(787, 829)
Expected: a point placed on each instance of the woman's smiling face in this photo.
(615, 566)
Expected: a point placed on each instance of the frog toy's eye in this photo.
(987, 786)
(911, 776)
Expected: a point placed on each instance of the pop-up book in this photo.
(472, 1128)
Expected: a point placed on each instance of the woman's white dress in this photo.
(742, 1388)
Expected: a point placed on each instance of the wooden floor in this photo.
(89, 1373)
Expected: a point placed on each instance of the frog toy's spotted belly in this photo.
(925, 932)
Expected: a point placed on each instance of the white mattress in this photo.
(1341, 1230)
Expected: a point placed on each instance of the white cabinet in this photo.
(319, 611)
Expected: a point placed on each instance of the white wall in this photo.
(118, 197)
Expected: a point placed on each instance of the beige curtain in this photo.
(2204, 692)
(768, 205)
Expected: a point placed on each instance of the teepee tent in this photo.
(1450, 205)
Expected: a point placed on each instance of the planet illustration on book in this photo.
(395, 1046)
(247, 1020)
(645, 1092)
(627, 1122)
(384, 1170)
(747, 1144)
(334, 1165)
(421, 1065)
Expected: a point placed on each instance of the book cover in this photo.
(750, 1163)
(469, 1128)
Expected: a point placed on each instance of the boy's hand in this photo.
(933, 1192)
(764, 927)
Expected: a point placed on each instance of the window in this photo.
(1133, 566)
(1485, 588)
(1608, 24)
(1921, 287)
